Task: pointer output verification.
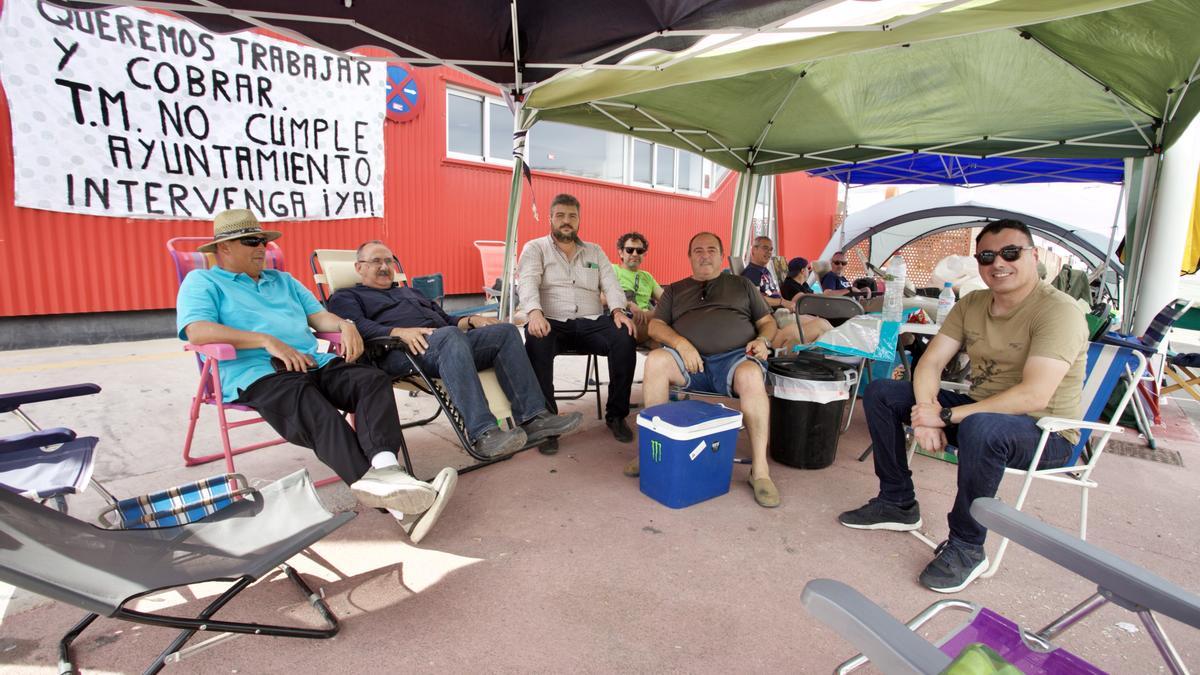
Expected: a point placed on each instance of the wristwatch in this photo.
(946, 414)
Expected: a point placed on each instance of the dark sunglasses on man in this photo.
(839, 263)
(633, 250)
(253, 242)
(1009, 253)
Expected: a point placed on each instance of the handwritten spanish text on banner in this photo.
(124, 112)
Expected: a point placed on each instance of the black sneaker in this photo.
(546, 424)
(880, 515)
(955, 565)
(620, 430)
(498, 442)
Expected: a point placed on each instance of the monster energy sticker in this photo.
(656, 451)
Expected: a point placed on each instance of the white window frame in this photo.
(707, 167)
(487, 103)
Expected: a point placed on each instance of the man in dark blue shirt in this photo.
(453, 350)
(832, 282)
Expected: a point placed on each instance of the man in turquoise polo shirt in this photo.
(640, 288)
(279, 371)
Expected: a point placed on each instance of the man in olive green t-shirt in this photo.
(1028, 348)
(640, 287)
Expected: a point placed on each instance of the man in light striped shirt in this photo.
(559, 281)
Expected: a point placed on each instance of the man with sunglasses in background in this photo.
(300, 391)
(640, 287)
(805, 328)
(454, 350)
(1028, 348)
(834, 282)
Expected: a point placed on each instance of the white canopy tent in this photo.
(895, 223)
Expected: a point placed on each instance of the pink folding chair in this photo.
(208, 358)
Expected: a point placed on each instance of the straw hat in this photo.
(235, 224)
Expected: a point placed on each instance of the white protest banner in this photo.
(125, 112)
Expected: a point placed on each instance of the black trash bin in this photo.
(808, 397)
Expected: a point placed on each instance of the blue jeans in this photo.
(457, 357)
(717, 376)
(986, 442)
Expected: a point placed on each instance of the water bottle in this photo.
(945, 303)
(893, 290)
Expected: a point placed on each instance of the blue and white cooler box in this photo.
(685, 450)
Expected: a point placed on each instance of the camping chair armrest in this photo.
(960, 387)
(890, 645)
(15, 399)
(36, 439)
(1123, 579)
(493, 307)
(1060, 423)
(221, 351)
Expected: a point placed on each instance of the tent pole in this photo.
(743, 209)
(522, 120)
(1166, 228)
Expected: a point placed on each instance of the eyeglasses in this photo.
(633, 250)
(379, 262)
(837, 262)
(1009, 253)
(253, 242)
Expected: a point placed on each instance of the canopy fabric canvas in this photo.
(1007, 78)
(926, 169)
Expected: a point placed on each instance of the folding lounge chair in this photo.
(64, 559)
(1107, 365)
(208, 359)
(47, 463)
(334, 269)
(894, 647)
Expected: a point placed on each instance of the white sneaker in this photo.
(419, 526)
(391, 488)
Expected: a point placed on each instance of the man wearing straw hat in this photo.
(267, 316)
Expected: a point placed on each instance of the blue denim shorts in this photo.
(717, 376)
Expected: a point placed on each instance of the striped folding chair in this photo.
(1107, 365)
(1153, 345)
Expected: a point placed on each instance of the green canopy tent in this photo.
(1010, 78)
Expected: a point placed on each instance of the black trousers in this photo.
(590, 336)
(306, 409)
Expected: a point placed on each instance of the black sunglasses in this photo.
(1009, 253)
(633, 249)
(837, 262)
(254, 242)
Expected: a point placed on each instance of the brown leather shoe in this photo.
(765, 492)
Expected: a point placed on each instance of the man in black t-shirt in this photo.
(716, 329)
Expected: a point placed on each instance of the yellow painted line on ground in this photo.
(108, 361)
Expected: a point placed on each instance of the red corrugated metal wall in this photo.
(806, 208)
(56, 263)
